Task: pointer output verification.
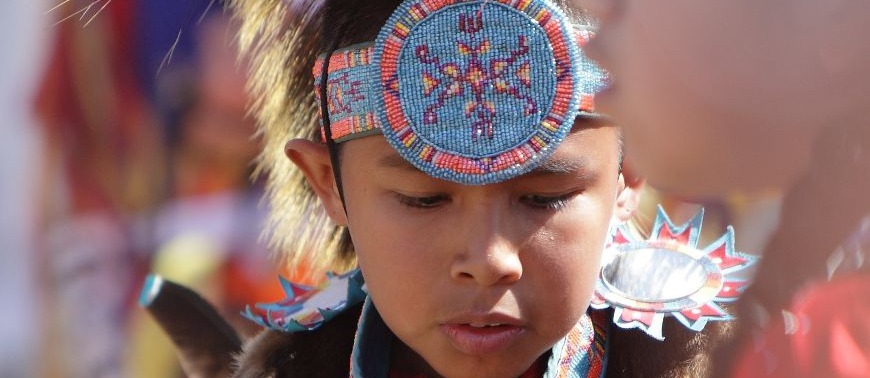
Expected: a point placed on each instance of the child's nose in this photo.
(487, 257)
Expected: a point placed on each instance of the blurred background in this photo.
(125, 149)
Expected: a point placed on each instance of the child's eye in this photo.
(422, 202)
(547, 202)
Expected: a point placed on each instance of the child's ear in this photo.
(628, 198)
(313, 159)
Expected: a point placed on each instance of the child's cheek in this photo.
(565, 265)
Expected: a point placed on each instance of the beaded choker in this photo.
(474, 92)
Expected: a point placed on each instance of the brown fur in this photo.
(683, 353)
(282, 40)
(324, 352)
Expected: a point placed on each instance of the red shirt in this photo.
(826, 334)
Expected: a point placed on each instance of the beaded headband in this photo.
(474, 92)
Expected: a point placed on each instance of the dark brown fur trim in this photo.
(324, 352)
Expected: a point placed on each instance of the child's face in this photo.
(440, 258)
(721, 95)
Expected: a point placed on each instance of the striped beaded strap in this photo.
(582, 353)
(473, 92)
(349, 99)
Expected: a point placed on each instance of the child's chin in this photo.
(490, 366)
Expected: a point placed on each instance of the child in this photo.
(765, 95)
(460, 152)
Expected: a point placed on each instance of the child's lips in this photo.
(486, 335)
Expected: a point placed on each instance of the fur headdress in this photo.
(282, 40)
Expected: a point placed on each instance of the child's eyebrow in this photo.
(396, 161)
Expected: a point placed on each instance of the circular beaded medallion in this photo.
(477, 92)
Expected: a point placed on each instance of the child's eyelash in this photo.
(547, 202)
(534, 200)
(422, 202)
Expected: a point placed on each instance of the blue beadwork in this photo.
(404, 117)
(473, 79)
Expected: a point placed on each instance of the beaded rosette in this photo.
(473, 92)
(669, 275)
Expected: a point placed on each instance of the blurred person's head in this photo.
(724, 96)
(730, 95)
(217, 144)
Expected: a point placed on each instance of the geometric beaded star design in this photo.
(447, 80)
